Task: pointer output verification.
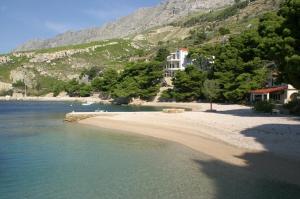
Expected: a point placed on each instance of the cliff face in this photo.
(141, 20)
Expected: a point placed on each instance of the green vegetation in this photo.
(224, 31)
(5, 93)
(293, 107)
(106, 82)
(264, 107)
(75, 89)
(243, 63)
(211, 90)
(138, 80)
(188, 85)
(162, 54)
(19, 84)
(218, 15)
(91, 73)
(6, 68)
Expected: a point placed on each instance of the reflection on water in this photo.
(42, 157)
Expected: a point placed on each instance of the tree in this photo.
(224, 31)
(19, 84)
(141, 79)
(290, 11)
(211, 90)
(162, 54)
(72, 88)
(106, 81)
(188, 84)
(91, 72)
(85, 90)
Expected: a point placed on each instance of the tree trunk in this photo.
(211, 105)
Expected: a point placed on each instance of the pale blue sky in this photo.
(22, 20)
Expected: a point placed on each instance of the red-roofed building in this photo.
(176, 61)
(280, 94)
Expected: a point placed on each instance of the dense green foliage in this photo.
(106, 81)
(75, 89)
(187, 85)
(19, 84)
(243, 63)
(290, 36)
(162, 54)
(294, 106)
(91, 73)
(138, 80)
(211, 89)
(224, 31)
(264, 107)
(237, 65)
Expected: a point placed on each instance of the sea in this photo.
(43, 157)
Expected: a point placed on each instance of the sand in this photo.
(234, 134)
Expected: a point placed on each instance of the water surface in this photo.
(43, 157)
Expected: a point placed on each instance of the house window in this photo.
(275, 96)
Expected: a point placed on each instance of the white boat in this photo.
(87, 103)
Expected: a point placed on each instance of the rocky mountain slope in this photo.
(141, 20)
(42, 68)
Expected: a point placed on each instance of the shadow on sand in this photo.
(265, 175)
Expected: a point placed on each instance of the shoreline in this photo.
(239, 140)
(55, 99)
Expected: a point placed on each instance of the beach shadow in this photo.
(266, 174)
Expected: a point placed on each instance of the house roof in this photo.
(184, 49)
(269, 90)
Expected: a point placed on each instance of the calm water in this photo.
(42, 157)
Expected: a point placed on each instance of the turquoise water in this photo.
(43, 157)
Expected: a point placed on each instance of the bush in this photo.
(264, 107)
(85, 90)
(5, 93)
(167, 96)
(19, 84)
(293, 107)
(224, 31)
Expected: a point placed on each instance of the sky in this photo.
(23, 20)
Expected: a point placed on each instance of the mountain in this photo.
(143, 19)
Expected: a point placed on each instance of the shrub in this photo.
(167, 96)
(264, 107)
(293, 107)
(224, 31)
(5, 93)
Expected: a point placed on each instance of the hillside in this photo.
(143, 19)
(41, 68)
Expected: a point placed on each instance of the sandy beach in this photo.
(230, 135)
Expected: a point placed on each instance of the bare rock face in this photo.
(21, 74)
(4, 59)
(5, 86)
(141, 20)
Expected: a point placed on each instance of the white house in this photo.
(280, 94)
(176, 61)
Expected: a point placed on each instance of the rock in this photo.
(20, 74)
(4, 59)
(173, 110)
(5, 86)
(143, 19)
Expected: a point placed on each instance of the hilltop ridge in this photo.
(143, 19)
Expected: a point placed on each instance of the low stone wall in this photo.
(173, 110)
(77, 116)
